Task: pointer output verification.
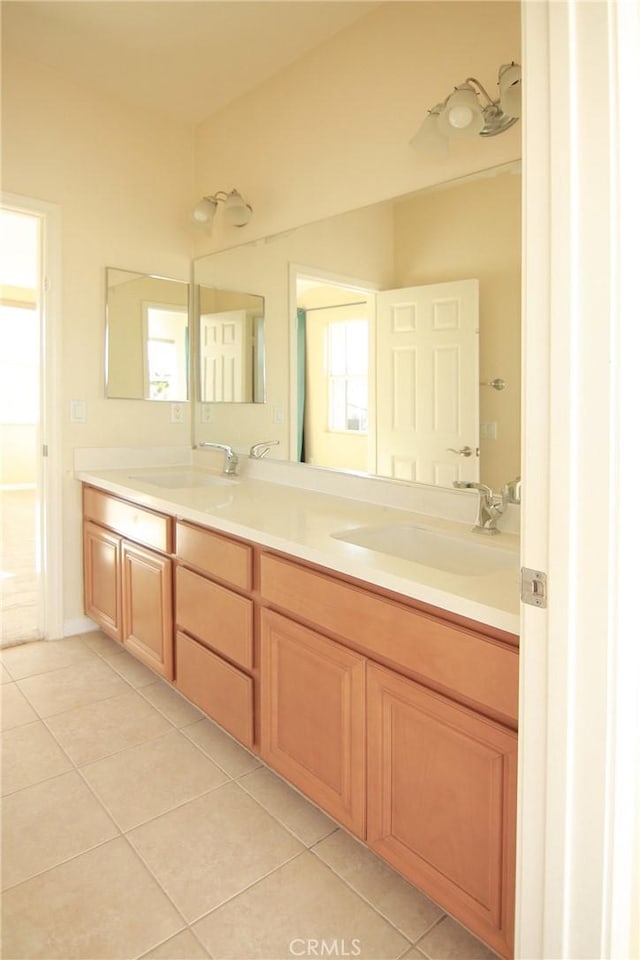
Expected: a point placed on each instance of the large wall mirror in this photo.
(147, 337)
(395, 330)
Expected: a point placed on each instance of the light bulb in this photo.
(462, 115)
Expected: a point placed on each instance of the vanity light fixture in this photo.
(469, 111)
(236, 210)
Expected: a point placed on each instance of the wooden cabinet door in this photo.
(102, 594)
(312, 716)
(442, 801)
(148, 607)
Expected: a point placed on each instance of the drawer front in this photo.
(136, 523)
(222, 620)
(454, 659)
(224, 693)
(215, 555)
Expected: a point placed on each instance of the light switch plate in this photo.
(78, 411)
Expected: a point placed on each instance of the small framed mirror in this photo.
(147, 337)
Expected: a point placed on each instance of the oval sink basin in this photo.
(183, 479)
(431, 548)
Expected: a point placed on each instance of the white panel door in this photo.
(428, 376)
(225, 357)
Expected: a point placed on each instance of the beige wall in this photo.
(331, 132)
(472, 230)
(123, 180)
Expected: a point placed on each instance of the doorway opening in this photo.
(20, 404)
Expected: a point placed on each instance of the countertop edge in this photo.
(453, 603)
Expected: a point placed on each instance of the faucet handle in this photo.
(512, 491)
(472, 485)
(259, 450)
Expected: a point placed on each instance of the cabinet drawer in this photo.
(454, 659)
(215, 555)
(136, 523)
(224, 693)
(222, 620)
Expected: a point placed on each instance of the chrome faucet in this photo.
(490, 506)
(260, 450)
(230, 468)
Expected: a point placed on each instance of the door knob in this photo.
(463, 452)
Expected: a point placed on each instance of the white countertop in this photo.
(300, 523)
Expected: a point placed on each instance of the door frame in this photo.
(51, 620)
(579, 756)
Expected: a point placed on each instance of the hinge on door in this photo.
(47, 284)
(533, 587)
(45, 450)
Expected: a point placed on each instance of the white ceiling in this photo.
(181, 58)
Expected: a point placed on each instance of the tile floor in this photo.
(18, 581)
(133, 827)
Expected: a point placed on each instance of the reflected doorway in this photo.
(20, 378)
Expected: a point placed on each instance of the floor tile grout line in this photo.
(61, 863)
(254, 883)
(168, 940)
(51, 643)
(286, 826)
(362, 897)
(158, 884)
(217, 763)
(80, 765)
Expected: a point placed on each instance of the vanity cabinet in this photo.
(128, 576)
(313, 716)
(214, 627)
(397, 718)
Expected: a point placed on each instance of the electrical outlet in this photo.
(206, 413)
(177, 413)
(489, 430)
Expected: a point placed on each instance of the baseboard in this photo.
(78, 625)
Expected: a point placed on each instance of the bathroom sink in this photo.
(431, 548)
(183, 479)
